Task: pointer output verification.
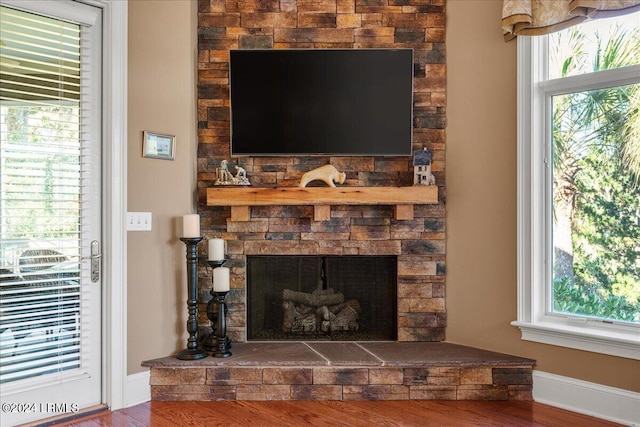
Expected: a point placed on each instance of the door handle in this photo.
(95, 261)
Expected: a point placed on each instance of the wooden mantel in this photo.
(242, 198)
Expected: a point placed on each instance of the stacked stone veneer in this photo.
(341, 383)
(360, 230)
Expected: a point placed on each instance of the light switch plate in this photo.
(138, 221)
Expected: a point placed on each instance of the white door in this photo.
(50, 204)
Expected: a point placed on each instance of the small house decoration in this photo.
(422, 168)
(225, 177)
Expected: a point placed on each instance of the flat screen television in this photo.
(351, 102)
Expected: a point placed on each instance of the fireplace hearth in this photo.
(340, 298)
(344, 371)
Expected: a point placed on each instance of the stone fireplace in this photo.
(416, 240)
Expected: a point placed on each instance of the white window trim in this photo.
(534, 227)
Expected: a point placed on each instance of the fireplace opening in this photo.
(344, 298)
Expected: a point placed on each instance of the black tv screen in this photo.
(321, 102)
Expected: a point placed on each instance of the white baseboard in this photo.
(607, 403)
(137, 389)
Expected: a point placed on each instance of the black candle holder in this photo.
(222, 341)
(192, 352)
(210, 342)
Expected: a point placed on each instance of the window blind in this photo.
(44, 102)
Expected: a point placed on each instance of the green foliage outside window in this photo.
(40, 190)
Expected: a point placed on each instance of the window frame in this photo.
(534, 209)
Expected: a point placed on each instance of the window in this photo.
(579, 187)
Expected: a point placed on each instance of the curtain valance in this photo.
(537, 17)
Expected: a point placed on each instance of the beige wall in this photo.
(162, 57)
(481, 188)
(481, 200)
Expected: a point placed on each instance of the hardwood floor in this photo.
(339, 414)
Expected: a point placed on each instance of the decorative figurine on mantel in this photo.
(422, 168)
(225, 177)
(327, 173)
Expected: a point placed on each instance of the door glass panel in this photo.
(41, 187)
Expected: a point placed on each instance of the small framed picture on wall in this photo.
(158, 146)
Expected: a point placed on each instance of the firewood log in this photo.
(302, 309)
(323, 312)
(345, 320)
(306, 323)
(325, 326)
(317, 300)
(353, 303)
(289, 315)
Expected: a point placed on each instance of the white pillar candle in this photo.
(191, 225)
(221, 279)
(216, 249)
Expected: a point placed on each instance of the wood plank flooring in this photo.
(340, 414)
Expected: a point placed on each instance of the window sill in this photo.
(611, 342)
